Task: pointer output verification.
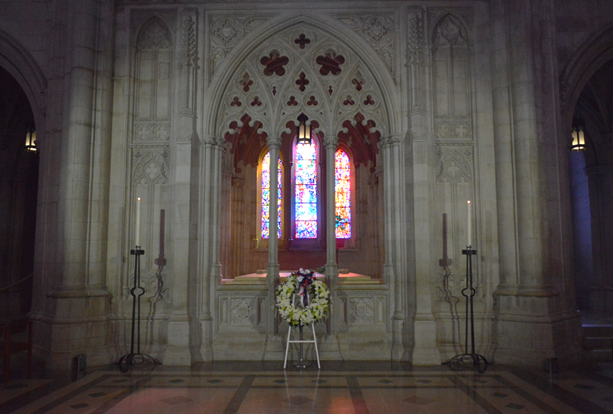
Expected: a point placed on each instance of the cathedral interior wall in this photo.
(437, 103)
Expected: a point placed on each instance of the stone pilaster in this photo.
(425, 349)
(330, 145)
(272, 269)
(209, 266)
(74, 318)
(600, 181)
(182, 322)
(395, 238)
(535, 318)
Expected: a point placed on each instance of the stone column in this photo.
(217, 149)
(272, 269)
(331, 264)
(208, 266)
(183, 264)
(76, 146)
(601, 205)
(425, 350)
(76, 308)
(395, 238)
(534, 319)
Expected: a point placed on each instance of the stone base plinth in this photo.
(75, 322)
(528, 334)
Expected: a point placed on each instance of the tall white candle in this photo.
(138, 221)
(469, 229)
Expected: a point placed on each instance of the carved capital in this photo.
(273, 143)
(390, 141)
(331, 143)
(212, 141)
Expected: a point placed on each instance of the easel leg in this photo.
(315, 343)
(289, 333)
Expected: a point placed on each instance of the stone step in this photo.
(592, 343)
(597, 331)
(599, 355)
(598, 342)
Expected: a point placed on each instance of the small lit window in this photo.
(305, 175)
(342, 185)
(265, 177)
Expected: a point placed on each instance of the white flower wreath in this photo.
(316, 309)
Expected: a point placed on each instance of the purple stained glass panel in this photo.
(305, 167)
(265, 176)
(342, 190)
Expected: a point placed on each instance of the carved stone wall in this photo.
(471, 100)
(226, 32)
(151, 140)
(302, 70)
(379, 31)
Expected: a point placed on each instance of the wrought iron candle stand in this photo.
(128, 360)
(473, 360)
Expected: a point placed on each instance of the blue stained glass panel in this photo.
(308, 229)
(305, 201)
(306, 211)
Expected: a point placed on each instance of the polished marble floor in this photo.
(339, 387)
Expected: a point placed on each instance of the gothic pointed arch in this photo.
(451, 77)
(303, 65)
(154, 34)
(588, 59)
(22, 66)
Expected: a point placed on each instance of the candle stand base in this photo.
(465, 362)
(470, 360)
(128, 361)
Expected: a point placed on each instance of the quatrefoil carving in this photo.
(330, 63)
(274, 63)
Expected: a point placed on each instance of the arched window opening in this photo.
(305, 199)
(342, 194)
(265, 206)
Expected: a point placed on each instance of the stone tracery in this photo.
(291, 79)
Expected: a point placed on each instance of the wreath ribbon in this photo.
(304, 279)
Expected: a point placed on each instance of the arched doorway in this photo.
(591, 178)
(587, 103)
(18, 198)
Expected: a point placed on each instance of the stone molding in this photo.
(378, 31)
(454, 163)
(226, 32)
(415, 39)
(22, 66)
(151, 164)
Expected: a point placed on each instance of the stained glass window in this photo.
(305, 206)
(342, 189)
(266, 196)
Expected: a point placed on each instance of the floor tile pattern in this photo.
(252, 391)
